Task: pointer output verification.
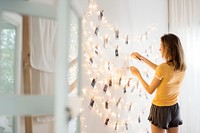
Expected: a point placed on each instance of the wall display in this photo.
(120, 101)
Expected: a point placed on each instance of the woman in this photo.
(164, 112)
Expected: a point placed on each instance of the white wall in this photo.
(131, 17)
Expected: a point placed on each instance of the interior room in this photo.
(66, 65)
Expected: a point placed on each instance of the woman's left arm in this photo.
(149, 88)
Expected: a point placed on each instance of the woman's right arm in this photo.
(143, 59)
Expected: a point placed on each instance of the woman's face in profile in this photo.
(161, 48)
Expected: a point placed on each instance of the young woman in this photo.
(164, 112)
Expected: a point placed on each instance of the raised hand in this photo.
(137, 56)
(134, 71)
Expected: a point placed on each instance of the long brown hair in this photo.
(172, 46)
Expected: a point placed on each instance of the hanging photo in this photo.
(110, 82)
(116, 125)
(106, 121)
(125, 89)
(91, 103)
(139, 120)
(118, 101)
(91, 61)
(116, 52)
(96, 32)
(100, 15)
(126, 41)
(105, 88)
(93, 82)
(105, 41)
(106, 104)
(117, 34)
(130, 106)
(96, 49)
(126, 126)
(109, 66)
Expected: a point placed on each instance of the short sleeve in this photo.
(159, 74)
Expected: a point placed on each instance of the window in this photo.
(7, 70)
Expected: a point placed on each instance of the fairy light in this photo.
(106, 80)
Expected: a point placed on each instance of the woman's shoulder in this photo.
(163, 65)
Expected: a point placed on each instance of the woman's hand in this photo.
(137, 56)
(134, 71)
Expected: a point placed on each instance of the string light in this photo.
(104, 92)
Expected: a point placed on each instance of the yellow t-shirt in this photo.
(168, 90)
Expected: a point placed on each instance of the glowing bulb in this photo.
(84, 20)
(91, 24)
(81, 110)
(84, 91)
(100, 114)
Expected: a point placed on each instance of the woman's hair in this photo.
(172, 47)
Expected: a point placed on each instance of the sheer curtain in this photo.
(184, 20)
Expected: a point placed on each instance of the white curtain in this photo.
(42, 55)
(184, 20)
(43, 44)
